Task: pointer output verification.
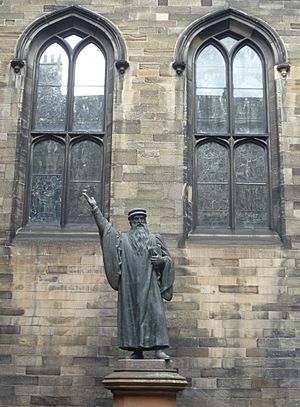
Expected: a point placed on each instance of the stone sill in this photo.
(57, 233)
(222, 237)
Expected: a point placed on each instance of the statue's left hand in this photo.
(157, 261)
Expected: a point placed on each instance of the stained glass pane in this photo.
(212, 185)
(250, 163)
(212, 163)
(46, 182)
(251, 202)
(212, 205)
(249, 106)
(251, 186)
(50, 106)
(89, 90)
(211, 93)
(86, 164)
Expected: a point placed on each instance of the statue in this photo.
(138, 265)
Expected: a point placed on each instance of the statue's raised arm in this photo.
(98, 215)
(110, 241)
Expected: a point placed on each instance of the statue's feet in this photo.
(137, 354)
(160, 354)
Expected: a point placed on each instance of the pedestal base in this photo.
(144, 383)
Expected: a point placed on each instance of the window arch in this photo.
(232, 140)
(66, 119)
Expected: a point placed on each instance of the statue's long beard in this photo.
(139, 238)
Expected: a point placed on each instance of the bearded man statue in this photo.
(138, 265)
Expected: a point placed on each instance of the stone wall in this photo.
(234, 320)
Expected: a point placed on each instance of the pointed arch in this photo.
(229, 21)
(66, 19)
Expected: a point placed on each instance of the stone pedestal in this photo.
(144, 383)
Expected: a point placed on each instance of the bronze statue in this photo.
(139, 266)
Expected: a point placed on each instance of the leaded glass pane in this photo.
(86, 162)
(228, 42)
(212, 185)
(88, 111)
(73, 40)
(212, 163)
(211, 93)
(251, 203)
(50, 106)
(250, 163)
(46, 182)
(249, 106)
(212, 205)
(251, 186)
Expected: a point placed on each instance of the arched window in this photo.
(231, 135)
(232, 138)
(68, 128)
(65, 130)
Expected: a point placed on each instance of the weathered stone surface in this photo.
(49, 401)
(234, 321)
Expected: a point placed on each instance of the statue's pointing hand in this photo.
(90, 199)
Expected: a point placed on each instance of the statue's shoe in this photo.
(160, 354)
(137, 354)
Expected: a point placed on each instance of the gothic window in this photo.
(232, 171)
(71, 60)
(231, 135)
(68, 129)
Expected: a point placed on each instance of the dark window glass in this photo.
(249, 109)
(212, 185)
(85, 173)
(211, 94)
(231, 177)
(46, 182)
(251, 186)
(68, 131)
(50, 113)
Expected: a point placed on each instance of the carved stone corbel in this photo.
(121, 66)
(17, 65)
(283, 69)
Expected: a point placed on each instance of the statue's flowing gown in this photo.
(141, 289)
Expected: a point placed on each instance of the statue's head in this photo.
(139, 235)
(137, 217)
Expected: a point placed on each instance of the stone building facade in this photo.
(195, 116)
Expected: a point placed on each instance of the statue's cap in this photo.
(137, 211)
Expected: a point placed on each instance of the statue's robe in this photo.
(141, 289)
